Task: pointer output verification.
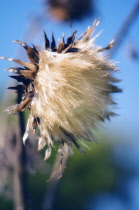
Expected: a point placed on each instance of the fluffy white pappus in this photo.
(72, 92)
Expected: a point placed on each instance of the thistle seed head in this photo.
(67, 89)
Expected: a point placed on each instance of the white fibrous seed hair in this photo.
(67, 89)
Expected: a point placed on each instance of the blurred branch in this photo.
(19, 174)
(19, 177)
(125, 29)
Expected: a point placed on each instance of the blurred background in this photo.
(107, 177)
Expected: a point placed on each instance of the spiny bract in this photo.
(66, 88)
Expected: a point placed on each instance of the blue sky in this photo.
(15, 18)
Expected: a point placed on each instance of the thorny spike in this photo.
(53, 43)
(35, 48)
(18, 88)
(21, 79)
(19, 107)
(18, 78)
(46, 41)
(24, 72)
(109, 46)
(27, 47)
(70, 40)
(16, 70)
(60, 47)
(114, 89)
(33, 55)
(69, 43)
(21, 43)
(22, 63)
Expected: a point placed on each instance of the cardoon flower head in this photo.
(67, 89)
